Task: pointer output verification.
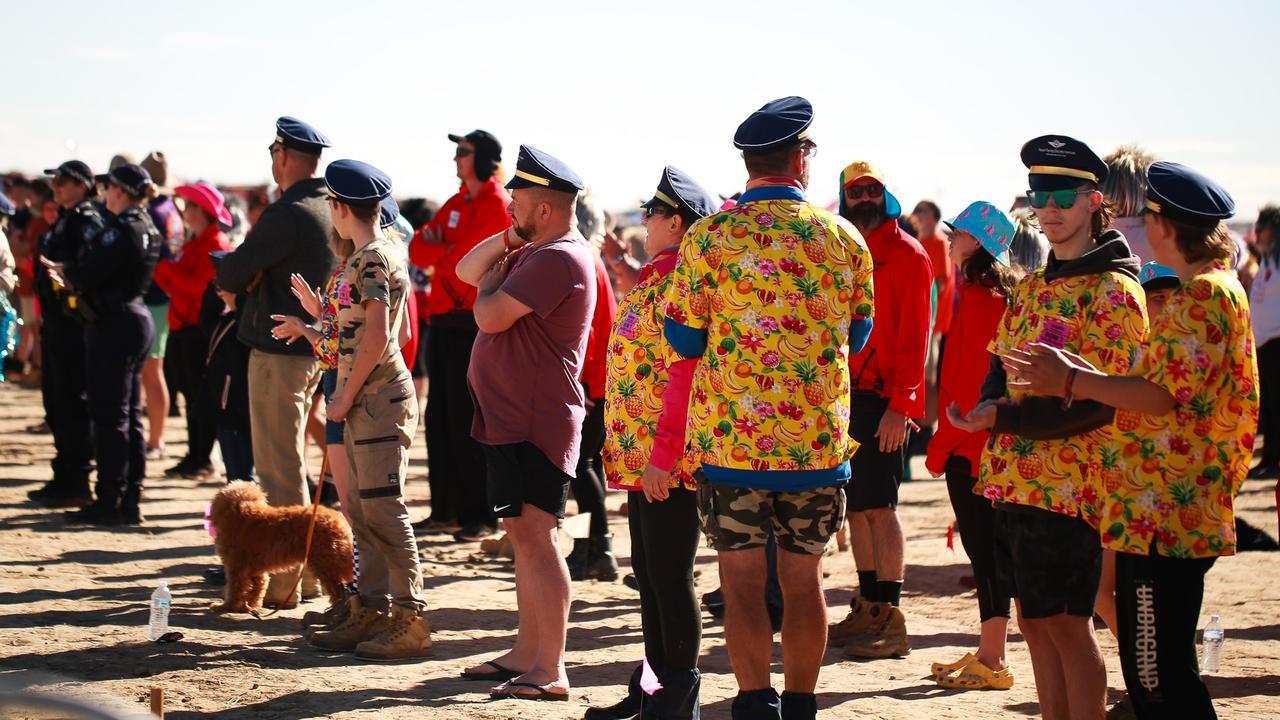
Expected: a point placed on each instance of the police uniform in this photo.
(379, 430)
(111, 273)
(62, 347)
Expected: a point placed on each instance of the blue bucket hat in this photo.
(989, 226)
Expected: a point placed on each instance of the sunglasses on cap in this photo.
(1063, 199)
(462, 152)
(870, 190)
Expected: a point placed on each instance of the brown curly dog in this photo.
(255, 539)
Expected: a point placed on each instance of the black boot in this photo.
(131, 507)
(625, 709)
(96, 513)
(577, 560)
(757, 705)
(601, 564)
(679, 697)
(799, 706)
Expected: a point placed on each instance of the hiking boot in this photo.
(495, 546)
(315, 621)
(577, 558)
(859, 621)
(601, 563)
(625, 709)
(475, 532)
(406, 635)
(888, 638)
(361, 624)
(65, 497)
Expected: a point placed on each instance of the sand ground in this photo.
(74, 608)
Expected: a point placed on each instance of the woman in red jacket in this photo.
(980, 238)
(185, 276)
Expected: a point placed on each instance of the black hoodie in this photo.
(1044, 418)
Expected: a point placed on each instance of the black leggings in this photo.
(1157, 607)
(664, 540)
(975, 518)
(1269, 420)
(188, 349)
(588, 484)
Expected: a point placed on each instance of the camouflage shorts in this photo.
(736, 518)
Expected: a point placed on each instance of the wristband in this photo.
(1071, 381)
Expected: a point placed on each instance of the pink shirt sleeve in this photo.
(668, 439)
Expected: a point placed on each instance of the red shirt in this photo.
(524, 380)
(964, 367)
(892, 363)
(944, 273)
(462, 223)
(186, 276)
(594, 365)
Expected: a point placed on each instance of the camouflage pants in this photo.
(736, 518)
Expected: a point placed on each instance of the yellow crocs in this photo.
(941, 670)
(977, 676)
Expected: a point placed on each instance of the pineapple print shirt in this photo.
(765, 294)
(647, 400)
(1180, 472)
(1100, 317)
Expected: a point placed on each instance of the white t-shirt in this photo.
(1264, 302)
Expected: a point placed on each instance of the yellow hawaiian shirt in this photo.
(772, 286)
(638, 366)
(1101, 317)
(1187, 466)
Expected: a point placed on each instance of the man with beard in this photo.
(535, 293)
(888, 391)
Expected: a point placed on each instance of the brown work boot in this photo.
(859, 621)
(361, 624)
(328, 619)
(888, 637)
(407, 635)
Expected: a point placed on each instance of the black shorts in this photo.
(1051, 562)
(874, 475)
(519, 474)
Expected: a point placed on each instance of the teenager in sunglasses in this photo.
(1191, 403)
(1044, 465)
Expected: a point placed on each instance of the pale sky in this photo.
(941, 95)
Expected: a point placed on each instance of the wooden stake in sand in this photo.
(157, 702)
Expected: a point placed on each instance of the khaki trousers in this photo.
(380, 429)
(280, 389)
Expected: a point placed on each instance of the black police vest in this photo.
(66, 240)
(130, 245)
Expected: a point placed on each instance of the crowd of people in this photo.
(1084, 369)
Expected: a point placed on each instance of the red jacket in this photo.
(944, 274)
(892, 363)
(964, 366)
(593, 365)
(186, 276)
(462, 223)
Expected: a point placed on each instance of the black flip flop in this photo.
(542, 694)
(500, 673)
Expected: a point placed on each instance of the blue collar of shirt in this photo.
(771, 192)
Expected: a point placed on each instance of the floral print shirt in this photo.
(772, 286)
(1178, 474)
(1101, 317)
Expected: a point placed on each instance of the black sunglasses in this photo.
(462, 152)
(857, 192)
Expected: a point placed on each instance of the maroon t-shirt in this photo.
(525, 380)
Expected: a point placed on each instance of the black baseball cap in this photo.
(74, 169)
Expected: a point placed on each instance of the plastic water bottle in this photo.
(1212, 646)
(160, 601)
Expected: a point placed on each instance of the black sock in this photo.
(867, 586)
(889, 591)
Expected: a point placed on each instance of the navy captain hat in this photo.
(388, 212)
(1180, 193)
(356, 183)
(74, 169)
(1058, 162)
(677, 191)
(297, 135)
(133, 179)
(535, 168)
(776, 124)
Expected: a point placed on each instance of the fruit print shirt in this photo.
(326, 349)
(771, 286)
(646, 405)
(1101, 317)
(1180, 472)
